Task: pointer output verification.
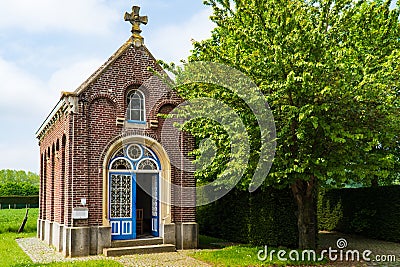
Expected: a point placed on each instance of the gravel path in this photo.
(164, 259)
(379, 248)
(39, 252)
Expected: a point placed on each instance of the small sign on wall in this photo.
(80, 213)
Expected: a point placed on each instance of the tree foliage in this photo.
(18, 183)
(18, 189)
(19, 176)
(330, 72)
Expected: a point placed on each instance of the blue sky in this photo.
(49, 46)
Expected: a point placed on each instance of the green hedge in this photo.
(372, 212)
(18, 189)
(266, 217)
(273, 218)
(17, 202)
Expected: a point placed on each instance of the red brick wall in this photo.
(52, 188)
(185, 210)
(102, 129)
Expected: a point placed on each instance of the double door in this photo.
(124, 192)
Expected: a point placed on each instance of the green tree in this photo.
(18, 189)
(19, 177)
(18, 183)
(330, 72)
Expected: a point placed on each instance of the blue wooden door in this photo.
(155, 219)
(122, 206)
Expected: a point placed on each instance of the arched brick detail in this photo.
(160, 104)
(98, 96)
(63, 176)
(51, 189)
(134, 132)
(134, 87)
(132, 83)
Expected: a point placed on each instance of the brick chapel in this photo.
(107, 181)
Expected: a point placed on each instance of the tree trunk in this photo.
(305, 195)
(375, 182)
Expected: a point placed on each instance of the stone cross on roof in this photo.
(135, 19)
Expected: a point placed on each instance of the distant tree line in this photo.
(18, 183)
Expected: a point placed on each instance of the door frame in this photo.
(132, 219)
(158, 173)
(133, 167)
(165, 207)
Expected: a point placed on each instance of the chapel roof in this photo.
(136, 41)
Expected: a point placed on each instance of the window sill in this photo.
(136, 122)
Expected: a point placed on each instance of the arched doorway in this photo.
(133, 190)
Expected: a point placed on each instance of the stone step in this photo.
(116, 252)
(137, 242)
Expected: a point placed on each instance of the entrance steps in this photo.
(138, 246)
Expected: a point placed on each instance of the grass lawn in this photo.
(10, 220)
(12, 255)
(238, 255)
(210, 242)
(99, 263)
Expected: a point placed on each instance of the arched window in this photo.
(148, 165)
(136, 107)
(121, 164)
(134, 157)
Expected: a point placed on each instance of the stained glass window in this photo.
(121, 164)
(147, 164)
(134, 152)
(119, 153)
(121, 196)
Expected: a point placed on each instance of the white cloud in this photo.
(71, 77)
(27, 99)
(24, 104)
(85, 17)
(173, 42)
(20, 155)
(22, 94)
